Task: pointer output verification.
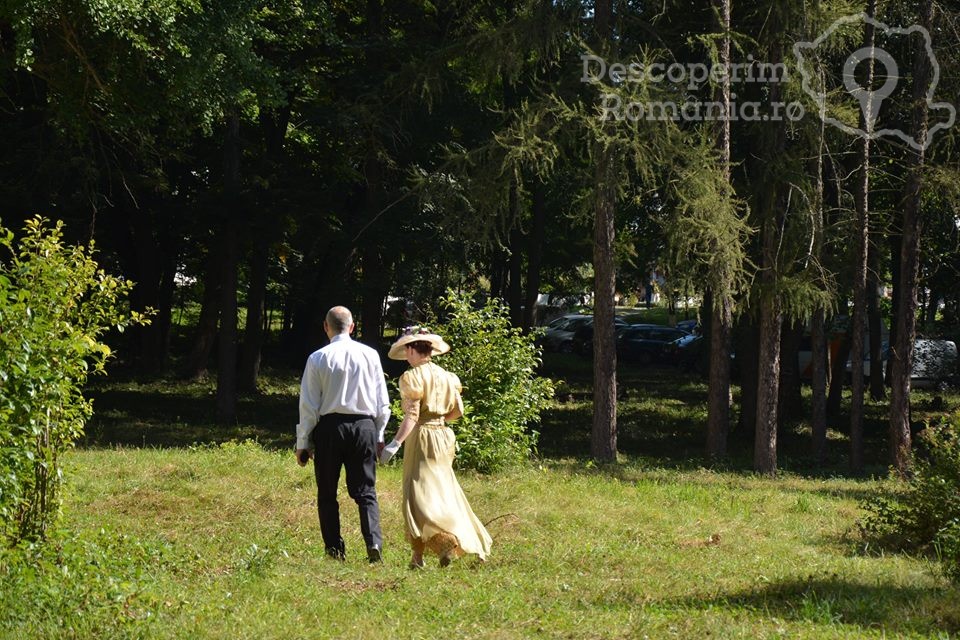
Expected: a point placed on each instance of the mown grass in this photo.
(167, 540)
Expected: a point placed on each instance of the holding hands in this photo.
(389, 451)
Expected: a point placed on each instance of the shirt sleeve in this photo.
(311, 395)
(383, 400)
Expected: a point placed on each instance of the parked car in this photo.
(686, 352)
(690, 326)
(559, 332)
(583, 338)
(647, 343)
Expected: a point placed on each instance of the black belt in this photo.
(344, 417)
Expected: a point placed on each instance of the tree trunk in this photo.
(818, 337)
(773, 204)
(603, 441)
(168, 286)
(861, 239)
(718, 392)
(902, 353)
(147, 290)
(896, 246)
(875, 321)
(498, 273)
(253, 331)
(604, 433)
(819, 363)
(515, 290)
(721, 310)
(227, 345)
(790, 402)
(932, 306)
(373, 253)
(838, 368)
(273, 125)
(748, 354)
(206, 333)
(768, 369)
(535, 254)
(376, 283)
(150, 260)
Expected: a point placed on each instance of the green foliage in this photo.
(503, 395)
(947, 545)
(709, 233)
(925, 516)
(84, 586)
(55, 304)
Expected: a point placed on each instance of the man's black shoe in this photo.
(336, 554)
(374, 555)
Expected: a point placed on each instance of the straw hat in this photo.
(417, 334)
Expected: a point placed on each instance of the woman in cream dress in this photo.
(436, 512)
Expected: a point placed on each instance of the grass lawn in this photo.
(222, 541)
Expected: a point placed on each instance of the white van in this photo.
(934, 363)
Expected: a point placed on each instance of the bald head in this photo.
(339, 320)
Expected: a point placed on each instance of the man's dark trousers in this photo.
(349, 441)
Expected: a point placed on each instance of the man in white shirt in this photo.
(343, 414)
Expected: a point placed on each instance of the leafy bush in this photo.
(925, 515)
(503, 395)
(96, 585)
(947, 545)
(55, 303)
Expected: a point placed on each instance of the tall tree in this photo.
(229, 250)
(772, 204)
(901, 353)
(861, 237)
(538, 212)
(721, 321)
(875, 324)
(603, 441)
(818, 339)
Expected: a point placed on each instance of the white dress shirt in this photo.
(343, 377)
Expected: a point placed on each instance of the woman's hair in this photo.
(423, 347)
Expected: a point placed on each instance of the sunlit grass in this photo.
(169, 540)
(229, 547)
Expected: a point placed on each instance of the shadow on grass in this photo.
(178, 418)
(662, 415)
(832, 600)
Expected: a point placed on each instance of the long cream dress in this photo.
(437, 514)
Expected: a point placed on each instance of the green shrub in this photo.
(55, 304)
(947, 545)
(502, 393)
(925, 515)
(98, 585)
